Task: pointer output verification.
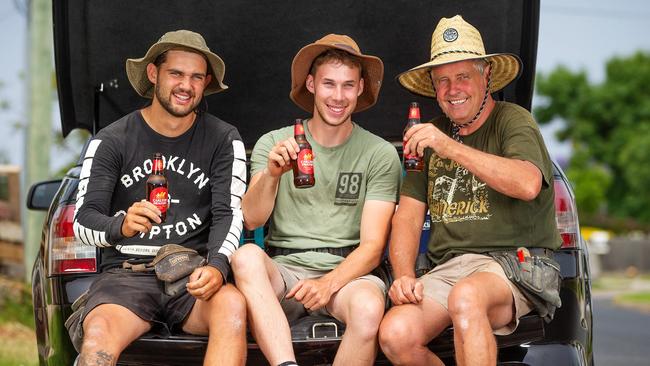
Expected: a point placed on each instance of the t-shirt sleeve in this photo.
(92, 224)
(415, 183)
(228, 184)
(384, 175)
(260, 154)
(524, 141)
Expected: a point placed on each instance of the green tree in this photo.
(609, 126)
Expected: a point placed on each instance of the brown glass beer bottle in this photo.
(157, 190)
(303, 167)
(413, 162)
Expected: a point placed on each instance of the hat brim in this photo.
(372, 74)
(136, 69)
(505, 67)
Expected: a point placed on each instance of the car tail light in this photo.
(67, 254)
(566, 215)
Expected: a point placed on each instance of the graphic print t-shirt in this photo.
(469, 216)
(206, 172)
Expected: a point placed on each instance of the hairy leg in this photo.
(477, 305)
(108, 330)
(407, 329)
(260, 282)
(223, 318)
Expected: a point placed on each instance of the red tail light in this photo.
(67, 254)
(566, 215)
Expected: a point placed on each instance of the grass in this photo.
(635, 297)
(17, 338)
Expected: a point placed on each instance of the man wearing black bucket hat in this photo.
(205, 165)
(488, 185)
(325, 240)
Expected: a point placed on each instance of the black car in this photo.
(258, 40)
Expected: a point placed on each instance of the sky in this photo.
(580, 34)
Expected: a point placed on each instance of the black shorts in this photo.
(143, 294)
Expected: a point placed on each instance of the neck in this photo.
(480, 119)
(328, 135)
(164, 123)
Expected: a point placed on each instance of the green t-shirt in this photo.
(466, 214)
(365, 167)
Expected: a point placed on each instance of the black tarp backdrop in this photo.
(258, 39)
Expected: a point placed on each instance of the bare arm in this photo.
(512, 177)
(403, 250)
(375, 226)
(259, 200)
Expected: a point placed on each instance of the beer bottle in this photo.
(157, 192)
(413, 162)
(303, 167)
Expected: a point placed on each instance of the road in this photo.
(621, 335)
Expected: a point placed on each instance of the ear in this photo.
(152, 73)
(486, 73)
(360, 87)
(309, 83)
(208, 79)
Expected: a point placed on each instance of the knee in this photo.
(230, 301)
(247, 260)
(396, 338)
(96, 329)
(465, 301)
(365, 316)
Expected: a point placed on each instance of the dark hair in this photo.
(336, 55)
(160, 59)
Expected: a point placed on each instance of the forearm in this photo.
(259, 200)
(403, 248)
(512, 177)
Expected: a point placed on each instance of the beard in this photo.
(165, 101)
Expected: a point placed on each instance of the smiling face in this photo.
(336, 87)
(179, 81)
(460, 89)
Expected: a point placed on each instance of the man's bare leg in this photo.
(360, 305)
(108, 330)
(407, 329)
(477, 305)
(260, 282)
(223, 319)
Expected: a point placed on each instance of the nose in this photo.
(338, 93)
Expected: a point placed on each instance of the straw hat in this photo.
(136, 69)
(373, 71)
(456, 40)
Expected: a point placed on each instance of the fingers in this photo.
(406, 291)
(281, 155)
(139, 218)
(204, 282)
(294, 289)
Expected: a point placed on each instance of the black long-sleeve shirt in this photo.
(206, 172)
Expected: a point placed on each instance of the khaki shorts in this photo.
(439, 281)
(294, 309)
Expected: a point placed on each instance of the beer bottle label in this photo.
(306, 161)
(160, 198)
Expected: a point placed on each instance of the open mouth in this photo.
(458, 101)
(336, 109)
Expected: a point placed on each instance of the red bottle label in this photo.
(298, 129)
(160, 198)
(414, 113)
(306, 161)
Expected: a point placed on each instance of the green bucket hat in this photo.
(136, 69)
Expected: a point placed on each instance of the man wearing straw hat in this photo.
(323, 241)
(488, 186)
(205, 164)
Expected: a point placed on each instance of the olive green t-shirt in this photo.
(469, 216)
(364, 167)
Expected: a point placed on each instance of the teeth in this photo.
(182, 97)
(337, 109)
(460, 101)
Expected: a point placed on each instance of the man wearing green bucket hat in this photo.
(205, 166)
(487, 184)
